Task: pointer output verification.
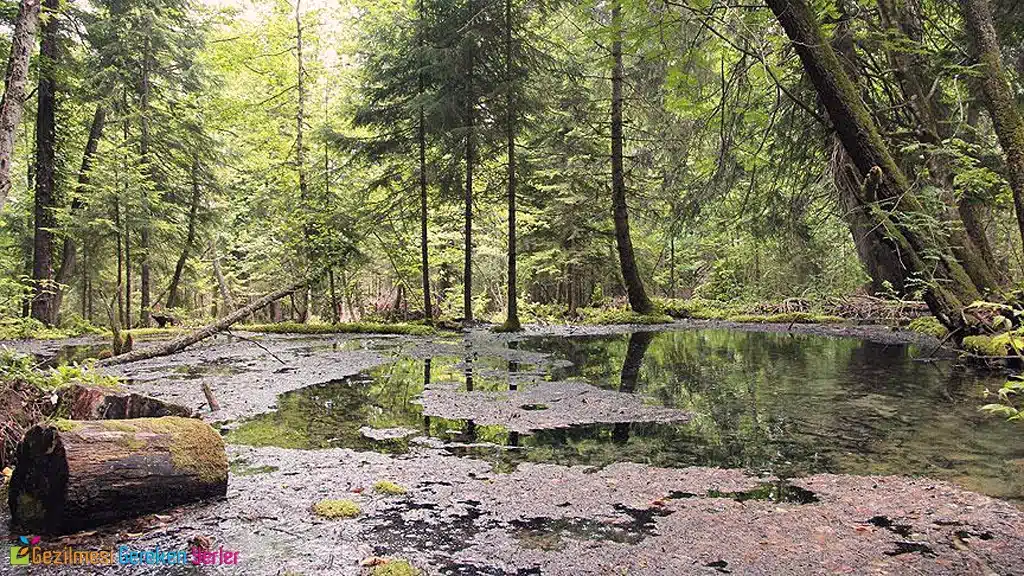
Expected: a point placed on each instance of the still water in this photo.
(783, 404)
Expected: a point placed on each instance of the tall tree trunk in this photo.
(467, 268)
(144, 280)
(193, 211)
(421, 136)
(948, 286)
(335, 313)
(999, 99)
(46, 169)
(13, 102)
(70, 251)
(120, 259)
(222, 283)
(512, 321)
(904, 21)
(300, 157)
(638, 299)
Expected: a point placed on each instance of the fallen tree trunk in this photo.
(187, 340)
(92, 403)
(73, 475)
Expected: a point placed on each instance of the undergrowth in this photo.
(341, 328)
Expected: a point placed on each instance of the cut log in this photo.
(93, 403)
(73, 475)
(187, 340)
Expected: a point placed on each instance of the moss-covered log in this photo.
(73, 475)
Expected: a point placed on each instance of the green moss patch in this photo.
(397, 567)
(786, 318)
(195, 447)
(341, 328)
(1005, 344)
(928, 325)
(336, 509)
(390, 488)
(607, 316)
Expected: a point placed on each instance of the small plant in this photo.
(390, 488)
(21, 367)
(336, 509)
(1011, 401)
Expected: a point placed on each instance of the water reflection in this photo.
(786, 404)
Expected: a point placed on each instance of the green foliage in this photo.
(602, 316)
(928, 325)
(1011, 401)
(32, 329)
(696, 308)
(341, 328)
(22, 368)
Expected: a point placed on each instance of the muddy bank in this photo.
(245, 378)
(546, 405)
(459, 517)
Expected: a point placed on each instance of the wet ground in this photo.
(700, 449)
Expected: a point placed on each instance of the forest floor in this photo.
(464, 515)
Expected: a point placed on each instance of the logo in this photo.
(20, 554)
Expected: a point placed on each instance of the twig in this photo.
(265, 349)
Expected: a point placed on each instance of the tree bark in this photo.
(638, 299)
(172, 296)
(923, 98)
(144, 236)
(43, 308)
(467, 267)
(335, 314)
(13, 103)
(82, 474)
(512, 321)
(69, 253)
(999, 99)
(421, 137)
(887, 193)
(222, 283)
(300, 155)
(180, 343)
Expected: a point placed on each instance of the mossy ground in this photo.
(928, 325)
(999, 345)
(397, 567)
(336, 509)
(342, 328)
(390, 488)
(786, 318)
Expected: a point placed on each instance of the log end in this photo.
(36, 493)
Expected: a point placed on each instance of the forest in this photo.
(507, 161)
(678, 264)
